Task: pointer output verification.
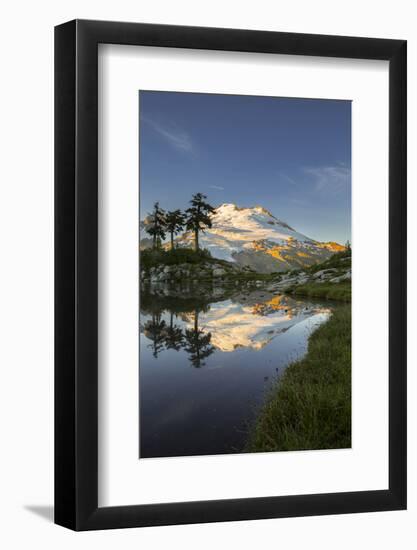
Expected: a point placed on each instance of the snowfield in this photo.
(256, 238)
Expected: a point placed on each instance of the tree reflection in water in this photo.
(154, 330)
(174, 338)
(172, 323)
(194, 341)
(198, 344)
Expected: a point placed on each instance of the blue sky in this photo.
(292, 156)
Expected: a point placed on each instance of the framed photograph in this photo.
(230, 252)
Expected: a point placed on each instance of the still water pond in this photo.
(205, 366)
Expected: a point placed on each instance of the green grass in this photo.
(342, 291)
(339, 260)
(154, 258)
(160, 257)
(328, 291)
(310, 406)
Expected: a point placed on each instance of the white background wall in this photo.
(26, 271)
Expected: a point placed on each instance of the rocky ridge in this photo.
(211, 278)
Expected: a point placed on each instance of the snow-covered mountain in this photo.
(256, 238)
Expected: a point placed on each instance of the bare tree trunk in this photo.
(196, 239)
(172, 240)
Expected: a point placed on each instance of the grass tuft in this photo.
(310, 406)
(328, 291)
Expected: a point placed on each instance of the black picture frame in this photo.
(76, 271)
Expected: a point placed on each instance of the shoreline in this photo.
(309, 408)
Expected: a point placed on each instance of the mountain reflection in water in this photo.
(237, 346)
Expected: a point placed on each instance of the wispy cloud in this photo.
(172, 134)
(330, 178)
(285, 178)
(218, 187)
(299, 202)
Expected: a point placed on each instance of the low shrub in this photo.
(154, 258)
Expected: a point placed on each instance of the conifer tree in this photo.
(174, 222)
(156, 225)
(198, 216)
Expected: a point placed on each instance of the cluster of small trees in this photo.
(195, 218)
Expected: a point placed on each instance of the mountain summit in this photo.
(256, 238)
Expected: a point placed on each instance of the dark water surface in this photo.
(205, 365)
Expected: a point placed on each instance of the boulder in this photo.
(162, 276)
(217, 292)
(290, 281)
(345, 277)
(323, 273)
